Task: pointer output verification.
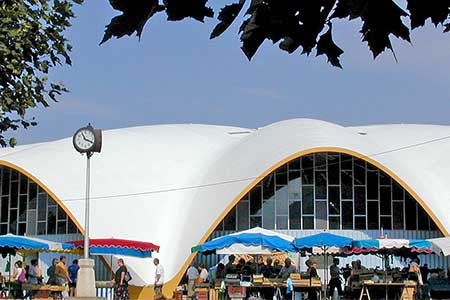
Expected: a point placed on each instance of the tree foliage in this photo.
(31, 42)
(292, 24)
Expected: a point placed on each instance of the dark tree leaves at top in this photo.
(292, 24)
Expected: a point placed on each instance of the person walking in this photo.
(73, 273)
(159, 279)
(121, 285)
(335, 281)
(34, 273)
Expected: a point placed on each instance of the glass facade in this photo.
(328, 191)
(25, 208)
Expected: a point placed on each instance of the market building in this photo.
(178, 185)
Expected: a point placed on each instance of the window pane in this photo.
(51, 220)
(397, 191)
(23, 184)
(4, 229)
(410, 213)
(359, 171)
(5, 182)
(307, 169)
(282, 200)
(385, 200)
(384, 178)
(5, 209)
(360, 223)
(229, 223)
(308, 222)
(386, 222)
(23, 208)
(397, 215)
(71, 228)
(372, 185)
(295, 215)
(22, 229)
(282, 175)
(372, 215)
(62, 227)
(268, 186)
(294, 185)
(33, 196)
(308, 200)
(41, 228)
(61, 213)
(14, 195)
(13, 221)
(334, 222)
(42, 207)
(255, 201)
(295, 164)
(347, 185)
(321, 161)
(321, 184)
(282, 222)
(255, 222)
(269, 214)
(346, 162)
(333, 169)
(360, 200)
(347, 215)
(243, 215)
(321, 215)
(423, 222)
(334, 207)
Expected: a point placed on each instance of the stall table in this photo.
(407, 289)
(42, 291)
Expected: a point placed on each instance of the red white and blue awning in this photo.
(112, 246)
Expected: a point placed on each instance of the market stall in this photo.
(11, 244)
(257, 242)
(393, 281)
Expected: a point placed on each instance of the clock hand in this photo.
(87, 140)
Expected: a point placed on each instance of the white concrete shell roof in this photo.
(170, 184)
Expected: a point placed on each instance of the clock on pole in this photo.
(87, 140)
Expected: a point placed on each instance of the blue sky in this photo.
(175, 74)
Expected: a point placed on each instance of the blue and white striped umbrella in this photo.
(253, 241)
(19, 242)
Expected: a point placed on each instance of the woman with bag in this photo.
(121, 284)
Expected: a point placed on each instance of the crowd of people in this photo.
(58, 274)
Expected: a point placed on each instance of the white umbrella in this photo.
(440, 245)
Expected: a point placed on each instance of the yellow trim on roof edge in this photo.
(46, 189)
(171, 285)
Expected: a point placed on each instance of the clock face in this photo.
(84, 139)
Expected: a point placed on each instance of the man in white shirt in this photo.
(159, 279)
(203, 273)
(192, 275)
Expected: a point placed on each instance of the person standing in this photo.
(34, 273)
(312, 294)
(192, 274)
(159, 278)
(335, 281)
(287, 269)
(203, 277)
(73, 273)
(61, 273)
(51, 272)
(121, 285)
(230, 268)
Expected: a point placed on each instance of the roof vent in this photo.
(239, 132)
(362, 133)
